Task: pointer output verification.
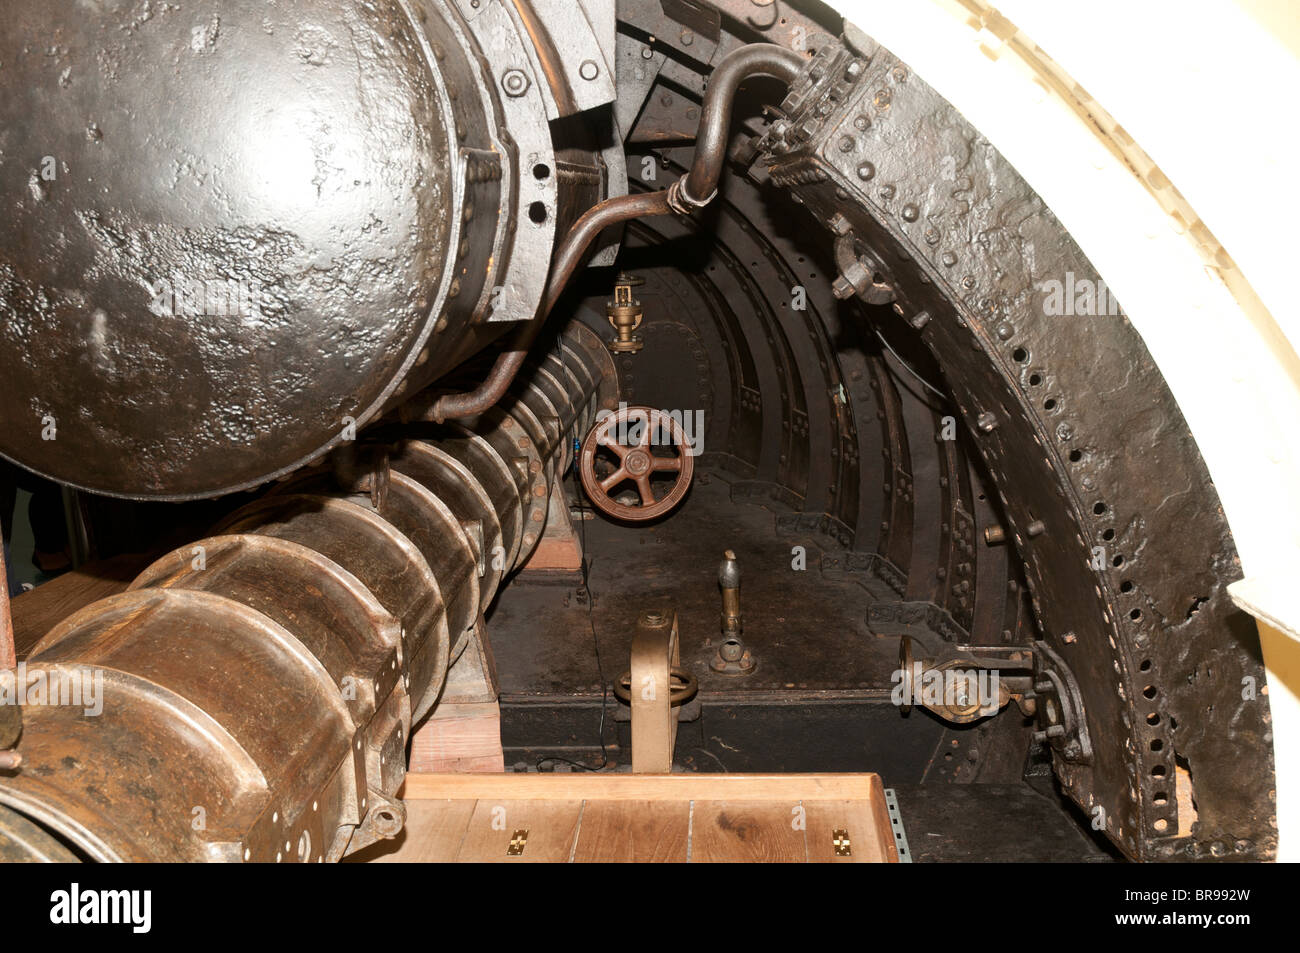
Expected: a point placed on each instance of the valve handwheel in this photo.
(633, 446)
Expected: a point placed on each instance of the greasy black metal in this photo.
(922, 504)
(232, 233)
(1157, 649)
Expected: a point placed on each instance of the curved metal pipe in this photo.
(569, 256)
(759, 59)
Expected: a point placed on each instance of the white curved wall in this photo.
(1206, 89)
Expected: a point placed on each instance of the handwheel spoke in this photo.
(607, 440)
(613, 480)
(668, 464)
(647, 432)
(647, 494)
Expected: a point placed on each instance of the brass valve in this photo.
(732, 658)
(625, 314)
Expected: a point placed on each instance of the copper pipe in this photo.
(710, 152)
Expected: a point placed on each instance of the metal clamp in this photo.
(681, 201)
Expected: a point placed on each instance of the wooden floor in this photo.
(570, 818)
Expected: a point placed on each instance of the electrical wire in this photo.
(908, 367)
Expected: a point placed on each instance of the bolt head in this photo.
(515, 83)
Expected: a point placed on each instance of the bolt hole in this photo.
(1149, 692)
(1108, 534)
(541, 171)
(1159, 771)
(1035, 380)
(1161, 824)
(1126, 586)
(1099, 508)
(1157, 744)
(537, 213)
(1153, 719)
(1076, 456)
(1146, 667)
(1160, 799)
(1020, 355)
(1136, 615)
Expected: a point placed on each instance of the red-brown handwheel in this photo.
(634, 446)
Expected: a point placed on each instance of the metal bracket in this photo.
(896, 824)
(385, 819)
(1059, 707)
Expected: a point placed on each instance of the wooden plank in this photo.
(433, 834)
(747, 832)
(881, 812)
(866, 840)
(552, 827)
(629, 787)
(648, 818)
(461, 739)
(633, 832)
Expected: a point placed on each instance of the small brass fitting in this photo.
(625, 314)
(732, 657)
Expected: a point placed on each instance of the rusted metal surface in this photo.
(21, 841)
(253, 692)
